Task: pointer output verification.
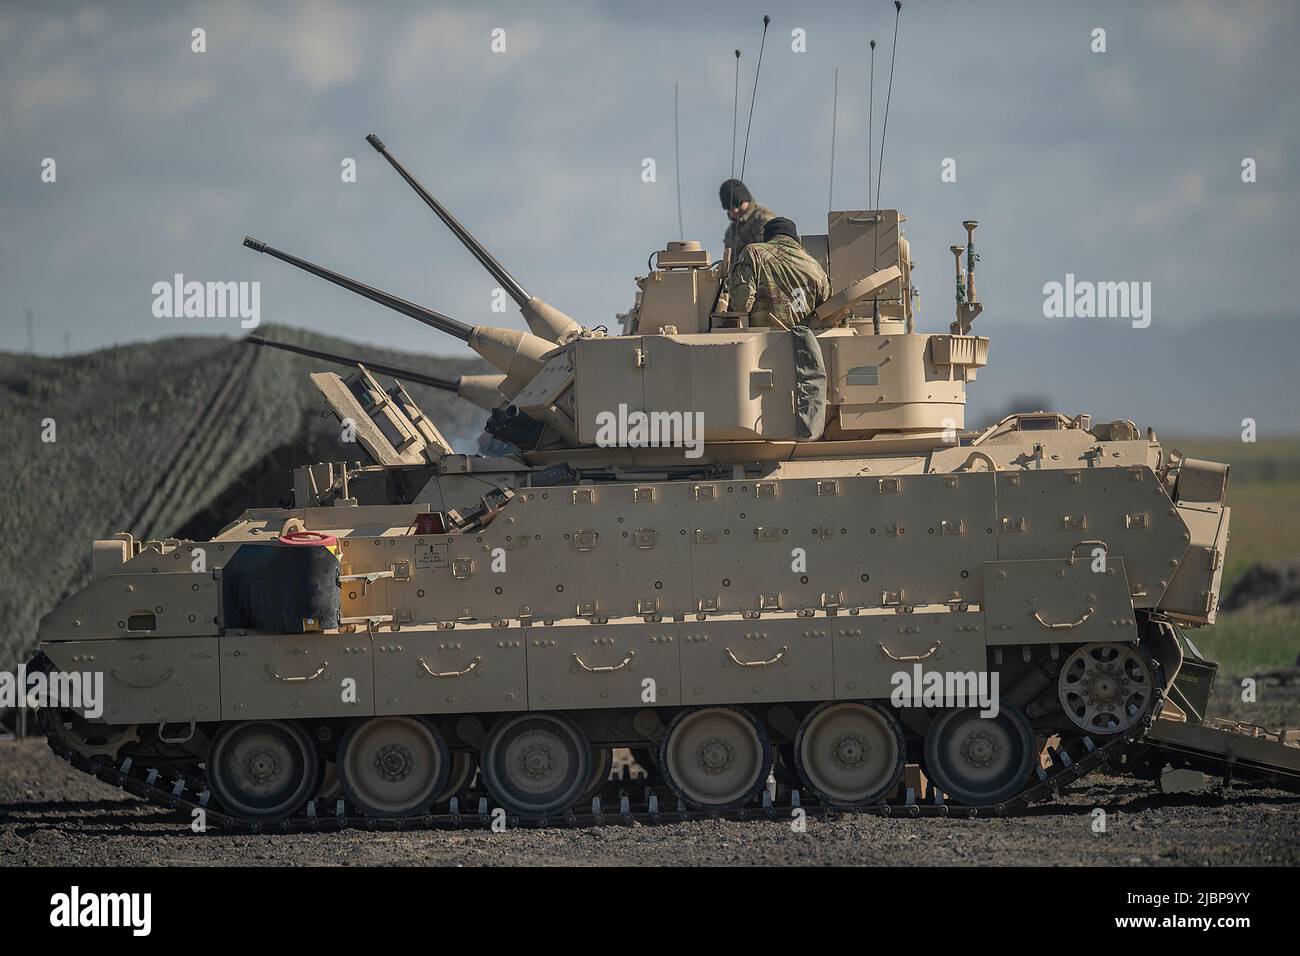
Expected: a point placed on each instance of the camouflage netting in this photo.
(165, 438)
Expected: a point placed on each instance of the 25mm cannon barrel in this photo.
(489, 261)
(520, 355)
(433, 381)
(437, 320)
(481, 390)
(543, 319)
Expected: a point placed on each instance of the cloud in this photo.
(90, 21)
(1115, 91)
(323, 41)
(55, 88)
(1074, 161)
(186, 90)
(1227, 31)
(453, 46)
(1185, 195)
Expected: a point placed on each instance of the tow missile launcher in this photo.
(734, 550)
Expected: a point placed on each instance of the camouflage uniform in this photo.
(768, 278)
(748, 228)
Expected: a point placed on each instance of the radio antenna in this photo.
(875, 254)
(735, 112)
(677, 165)
(752, 96)
(835, 113)
(898, 8)
(871, 119)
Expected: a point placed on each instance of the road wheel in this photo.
(263, 769)
(393, 766)
(715, 758)
(980, 760)
(849, 753)
(536, 764)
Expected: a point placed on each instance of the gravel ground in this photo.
(53, 815)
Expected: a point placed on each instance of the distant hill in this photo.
(1198, 378)
(167, 438)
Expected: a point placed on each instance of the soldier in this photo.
(747, 217)
(775, 280)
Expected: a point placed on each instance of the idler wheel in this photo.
(1105, 688)
(980, 760)
(86, 737)
(393, 766)
(263, 769)
(715, 758)
(849, 753)
(536, 764)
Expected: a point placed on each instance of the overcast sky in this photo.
(1122, 165)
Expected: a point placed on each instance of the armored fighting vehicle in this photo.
(772, 562)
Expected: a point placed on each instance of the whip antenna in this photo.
(735, 111)
(835, 112)
(898, 8)
(677, 165)
(871, 119)
(757, 70)
(875, 308)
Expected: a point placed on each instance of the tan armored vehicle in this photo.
(739, 552)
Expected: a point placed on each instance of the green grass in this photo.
(1266, 461)
(1249, 641)
(1264, 494)
(1265, 525)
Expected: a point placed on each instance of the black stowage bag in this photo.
(272, 587)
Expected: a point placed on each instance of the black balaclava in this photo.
(780, 226)
(733, 192)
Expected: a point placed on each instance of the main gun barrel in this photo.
(520, 355)
(543, 318)
(433, 381)
(481, 390)
(437, 320)
(489, 261)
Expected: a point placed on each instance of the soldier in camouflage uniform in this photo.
(747, 217)
(775, 281)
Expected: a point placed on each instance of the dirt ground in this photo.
(52, 815)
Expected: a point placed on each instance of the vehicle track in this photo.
(53, 815)
(189, 795)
